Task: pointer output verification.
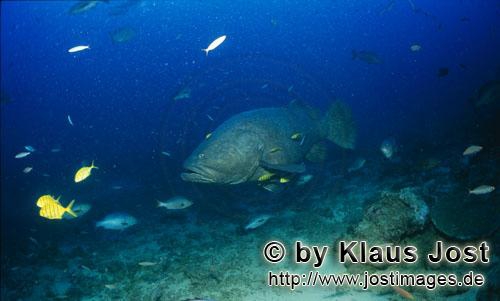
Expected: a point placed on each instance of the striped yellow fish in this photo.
(296, 136)
(54, 210)
(284, 180)
(265, 177)
(84, 172)
(45, 199)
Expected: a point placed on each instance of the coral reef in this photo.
(392, 217)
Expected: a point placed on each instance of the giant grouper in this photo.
(268, 141)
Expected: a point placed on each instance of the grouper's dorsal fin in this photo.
(290, 168)
(298, 105)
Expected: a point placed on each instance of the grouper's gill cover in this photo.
(229, 156)
(239, 150)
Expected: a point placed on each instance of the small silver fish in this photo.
(257, 221)
(175, 203)
(304, 179)
(183, 94)
(78, 48)
(22, 155)
(70, 121)
(29, 148)
(166, 154)
(358, 164)
(216, 43)
(210, 117)
(34, 241)
(415, 47)
(483, 189)
(471, 150)
(273, 187)
(27, 169)
(117, 221)
(303, 139)
(388, 147)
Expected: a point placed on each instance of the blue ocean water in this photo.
(141, 105)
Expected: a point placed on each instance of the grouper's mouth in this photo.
(196, 174)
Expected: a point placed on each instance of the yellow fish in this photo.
(276, 149)
(208, 135)
(265, 177)
(296, 136)
(54, 210)
(284, 180)
(84, 172)
(45, 199)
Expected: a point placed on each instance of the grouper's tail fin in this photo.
(338, 125)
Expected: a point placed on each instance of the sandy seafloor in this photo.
(202, 256)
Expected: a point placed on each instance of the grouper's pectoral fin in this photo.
(289, 168)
